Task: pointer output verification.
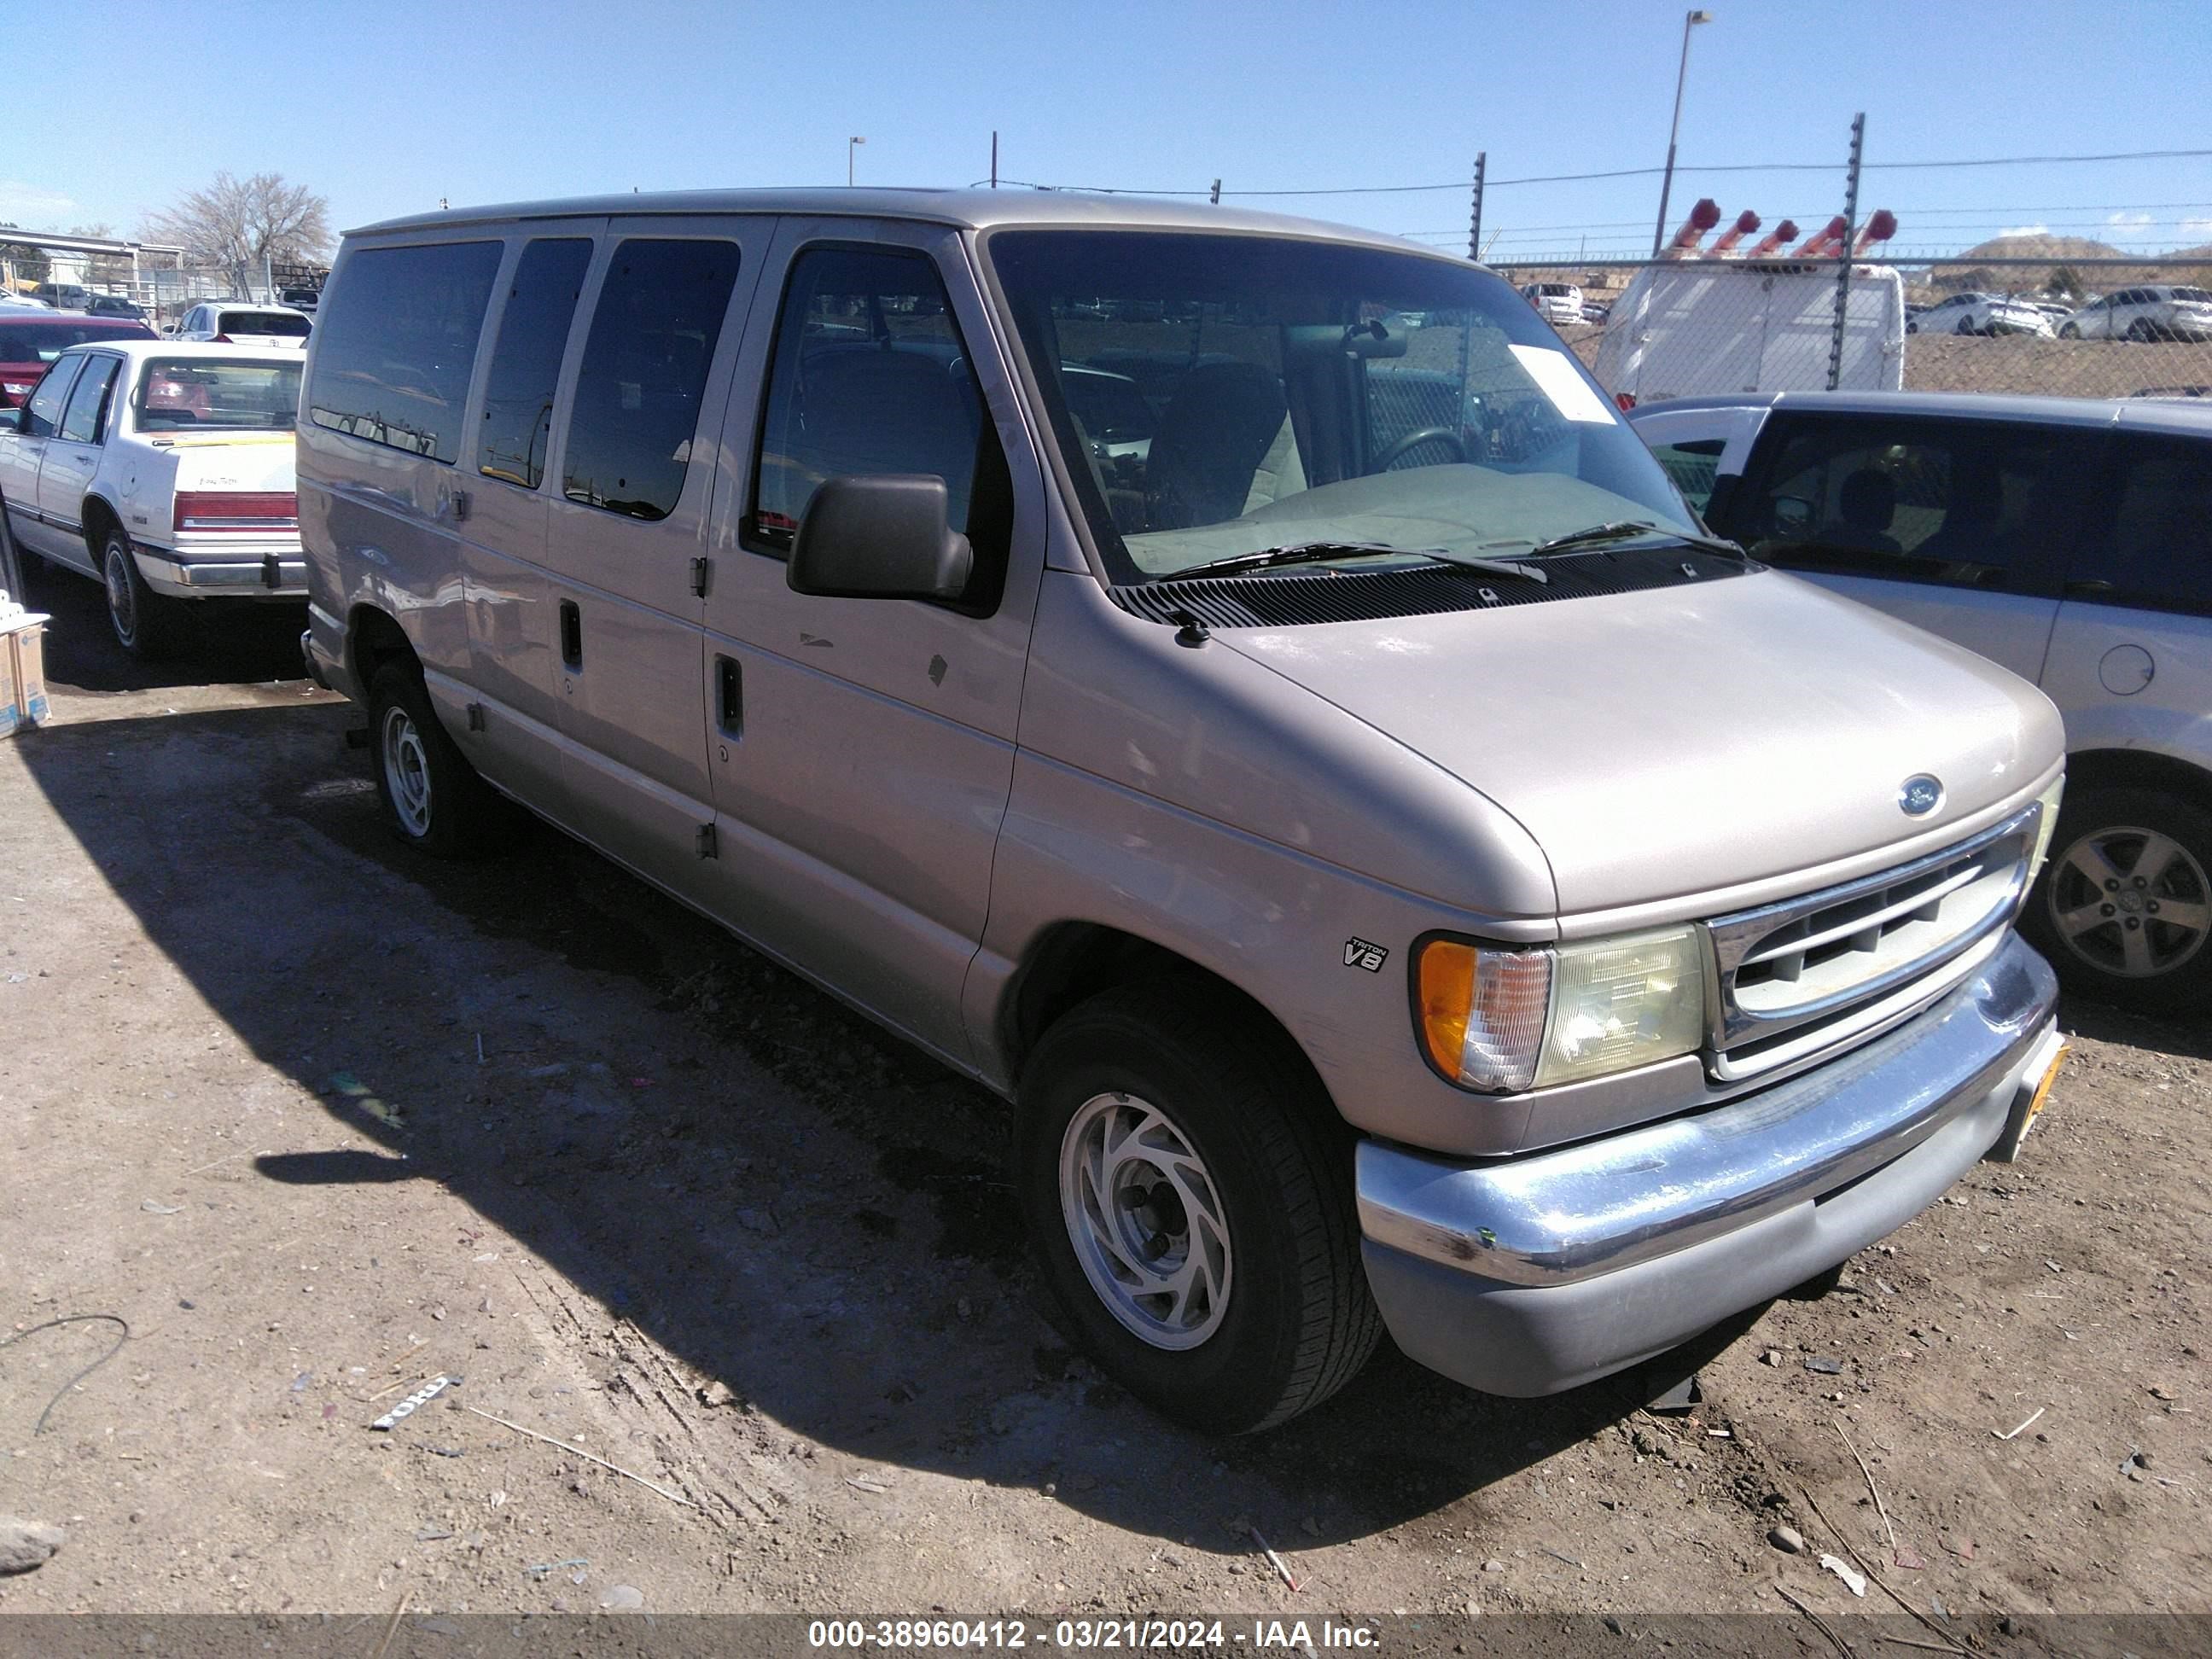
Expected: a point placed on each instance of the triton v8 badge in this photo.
(1358, 953)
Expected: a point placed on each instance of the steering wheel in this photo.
(1414, 440)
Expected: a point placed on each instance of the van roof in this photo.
(969, 210)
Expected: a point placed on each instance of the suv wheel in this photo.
(1187, 1187)
(432, 799)
(2124, 906)
(145, 623)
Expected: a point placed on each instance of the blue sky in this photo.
(385, 105)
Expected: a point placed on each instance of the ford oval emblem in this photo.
(1920, 795)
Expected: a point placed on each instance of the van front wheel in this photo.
(1188, 1187)
(431, 797)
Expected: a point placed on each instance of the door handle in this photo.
(2089, 586)
(571, 634)
(729, 696)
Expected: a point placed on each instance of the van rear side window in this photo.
(525, 364)
(399, 342)
(638, 392)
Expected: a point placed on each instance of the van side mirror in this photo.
(11, 420)
(887, 536)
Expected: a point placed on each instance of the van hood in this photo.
(1677, 741)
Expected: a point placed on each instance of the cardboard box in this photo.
(8, 715)
(27, 669)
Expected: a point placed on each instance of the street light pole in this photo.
(850, 145)
(1667, 184)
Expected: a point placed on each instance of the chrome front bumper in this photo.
(1533, 1275)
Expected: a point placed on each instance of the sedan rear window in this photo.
(198, 394)
(263, 322)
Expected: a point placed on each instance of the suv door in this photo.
(627, 534)
(1958, 526)
(863, 749)
(2130, 663)
(73, 455)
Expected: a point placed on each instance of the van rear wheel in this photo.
(432, 797)
(1188, 1187)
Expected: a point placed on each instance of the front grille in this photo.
(1803, 975)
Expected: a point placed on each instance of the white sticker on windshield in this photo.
(1555, 376)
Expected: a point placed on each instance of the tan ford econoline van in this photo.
(1234, 686)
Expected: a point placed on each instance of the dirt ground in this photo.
(322, 1121)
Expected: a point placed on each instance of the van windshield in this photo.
(1215, 396)
(197, 394)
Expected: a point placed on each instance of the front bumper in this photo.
(1534, 1275)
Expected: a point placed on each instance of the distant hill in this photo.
(1967, 270)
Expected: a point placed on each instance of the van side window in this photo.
(525, 364)
(81, 423)
(45, 413)
(870, 376)
(2158, 552)
(1693, 466)
(1954, 503)
(398, 342)
(638, 391)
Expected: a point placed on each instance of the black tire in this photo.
(145, 623)
(432, 799)
(2068, 332)
(1966, 326)
(1296, 1321)
(2143, 331)
(2153, 964)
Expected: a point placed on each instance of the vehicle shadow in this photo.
(229, 643)
(779, 1196)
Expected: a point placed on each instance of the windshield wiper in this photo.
(1312, 552)
(1622, 530)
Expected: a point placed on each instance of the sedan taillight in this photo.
(212, 509)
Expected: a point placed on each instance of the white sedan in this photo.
(163, 471)
(1980, 313)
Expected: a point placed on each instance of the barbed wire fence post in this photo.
(1850, 240)
(1474, 215)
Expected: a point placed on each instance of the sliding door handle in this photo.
(571, 634)
(729, 696)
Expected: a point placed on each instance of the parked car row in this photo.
(2157, 312)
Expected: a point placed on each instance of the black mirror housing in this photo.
(885, 536)
(11, 420)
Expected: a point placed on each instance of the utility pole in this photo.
(1474, 213)
(995, 158)
(1217, 193)
(851, 144)
(1843, 264)
(1667, 184)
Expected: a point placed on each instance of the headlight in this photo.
(2047, 827)
(1501, 1021)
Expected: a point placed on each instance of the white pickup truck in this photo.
(164, 471)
